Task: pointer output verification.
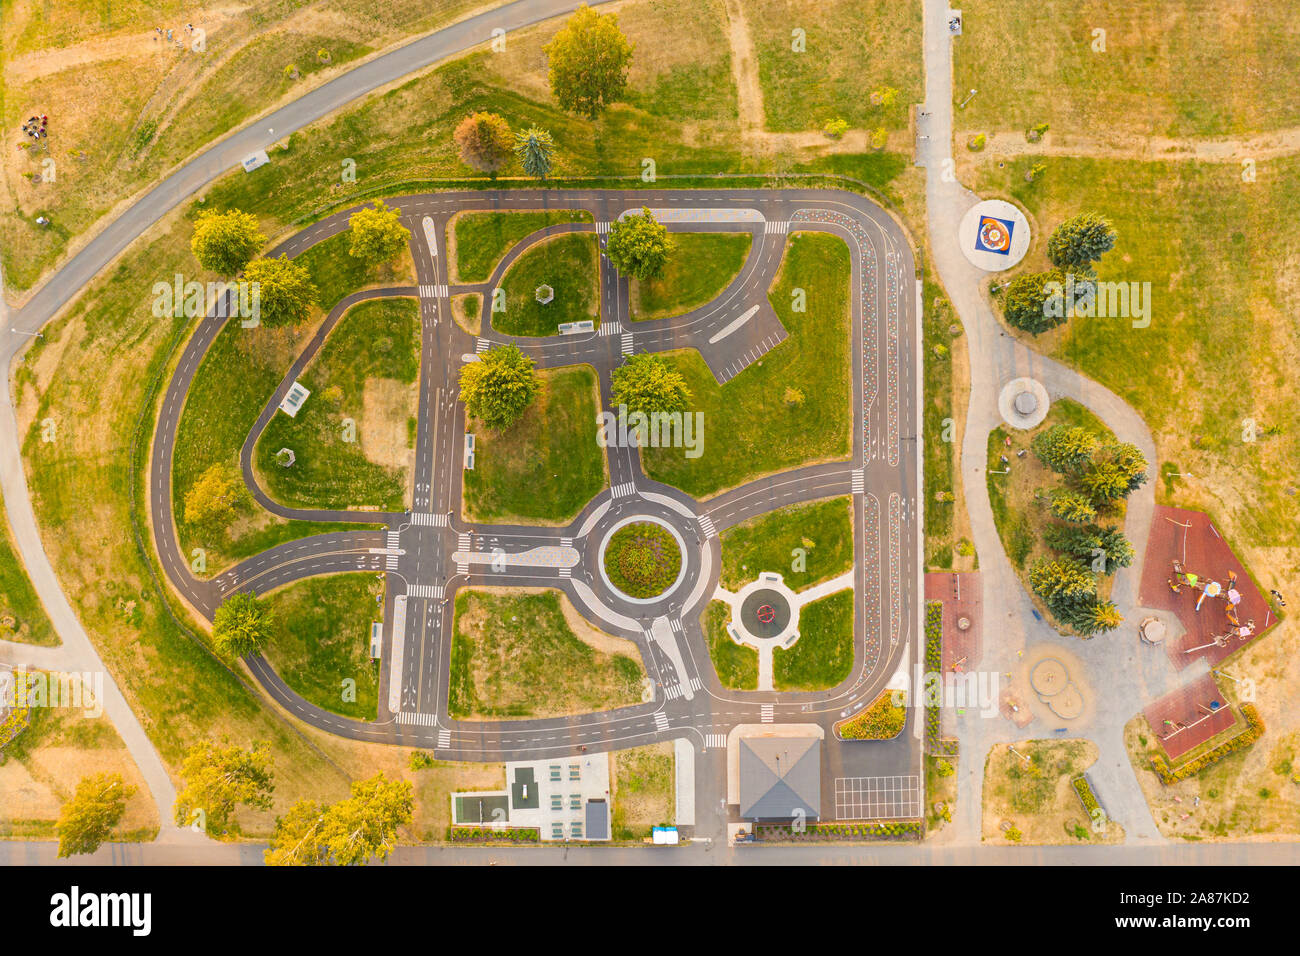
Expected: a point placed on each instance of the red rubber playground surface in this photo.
(1189, 716)
(1190, 538)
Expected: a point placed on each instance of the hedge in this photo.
(828, 832)
(1086, 796)
(487, 835)
(1254, 730)
(18, 718)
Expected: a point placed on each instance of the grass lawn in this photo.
(1033, 62)
(565, 263)
(754, 430)
(851, 48)
(823, 655)
(644, 790)
(701, 267)
(1035, 796)
(545, 467)
(321, 644)
(735, 664)
(338, 273)
(22, 616)
(940, 429)
(350, 437)
(482, 238)
(41, 767)
(642, 559)
(821, 530)
(515, 655)
(940, 788)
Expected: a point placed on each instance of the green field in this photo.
(338, 273)
(321, 642)
(701, 267)
(483, 238)
(565, 263)
(545, 467)
(823, 655)
(750, 427)
(364, 375)
(22, 616)
(940, 429)
(644, 792)
(817, 536)
(1173, 68)
(852, 47)
(736, 665)
(514, 655)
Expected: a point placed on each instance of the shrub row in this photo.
(1254, 730)
(18, 718)
(487, 835)
(933, 665)
(1086, 796)
(826, 832)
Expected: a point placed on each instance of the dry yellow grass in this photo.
(1036, 797)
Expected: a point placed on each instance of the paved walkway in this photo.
(1115, 669)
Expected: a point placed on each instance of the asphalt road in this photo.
(430, 553)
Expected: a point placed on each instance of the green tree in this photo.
(639, 245)
(1028, 302)
(1080, 241)
(498, 388)
(224, 242)
(218, 779)
(884, 96)
(647, 383)
(214, 498)
(1105, 550)
(88, 818)
(1090, 616)
(1118, 469)
(377, 233)
(485, 141)
(1066, 449)
(1061, 581)
(348, 833)
(588, 62)
(535, 150)
(242, 625)
(1072, 506)
(285, 292)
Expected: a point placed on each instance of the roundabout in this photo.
(641, 559)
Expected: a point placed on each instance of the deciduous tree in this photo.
(639, 245)
(88, 818)
(285, 291)
(377, 233)
(213, 499)
(588, 62)
(498, 388)
(224, 242)
(348, 833)
(648, 383)
(485, 141)
(219, 779)
(242, 625)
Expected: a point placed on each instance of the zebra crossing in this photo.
(661, 721)
(430, 592)
(859, 481)
(624, 489)
(609, 328)
(767, 713)
(602, 228)
(627, 343)
(715, 741)
(776, 227)
(566, 542)
(675, 623)
(706, 525)
(444, 739)
(566, 572)
(416, 719)
(390, 562)
(462, 547)
(673, 691)
(426, 520)
(482, 346)
(393, 540)
(433, 291)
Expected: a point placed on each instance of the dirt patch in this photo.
(744, 67)
(386, 408)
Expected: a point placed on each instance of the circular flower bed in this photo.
(642, 559)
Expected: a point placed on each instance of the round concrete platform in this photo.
(765, 613)
(993, 235)
(1023, 403)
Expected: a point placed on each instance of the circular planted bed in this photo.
(642, 560)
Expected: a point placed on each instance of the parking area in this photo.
(877, 798)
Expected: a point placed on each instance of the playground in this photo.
(962, 616)
(1191, 571)
(1189, 716)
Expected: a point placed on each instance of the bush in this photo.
(883, 719)
(1254, 730)
(976, 143)
(835, 128)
